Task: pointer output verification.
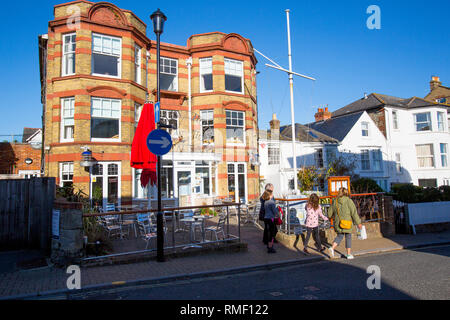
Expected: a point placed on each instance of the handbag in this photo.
(278, 221)
(343, 224)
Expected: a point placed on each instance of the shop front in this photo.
(191, 178)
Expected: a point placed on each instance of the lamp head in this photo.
(158, 19)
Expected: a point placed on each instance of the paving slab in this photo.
(42, 281)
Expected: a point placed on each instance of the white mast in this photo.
(291, 87)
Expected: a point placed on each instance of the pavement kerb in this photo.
(172, 278)
(221, 272)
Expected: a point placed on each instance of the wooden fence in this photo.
(26, 213)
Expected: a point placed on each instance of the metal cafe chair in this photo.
(147, 230)
(219, 228)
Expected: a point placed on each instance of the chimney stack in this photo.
(434, 83)
(322, 114)
(274, 127)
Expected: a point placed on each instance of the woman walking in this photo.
(313, 211)
(344, 214)
(269, 187)
(271, 213)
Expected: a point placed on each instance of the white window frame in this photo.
(273, 154)
(166, 118)
(66, 53)
(444, 154)
(395, 123)
(118, 117)
(377, 160)
(105, 175)
(64, 117)
(441, 123)
(161, 68)
(229, 142)
(398, 163)
(365, 123)
(236, 178)
(427, 156)
(137, 113)
(65, 168)
(137, 64)
(234, 72)
(205, 68)
(119, 55)
(207, 115)
(365, 157)
(429, 121)
(330, 155)
(318, 156)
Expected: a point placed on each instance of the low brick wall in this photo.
(373, 229)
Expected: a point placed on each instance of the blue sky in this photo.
(330, 41)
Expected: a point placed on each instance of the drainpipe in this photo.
(189, 65)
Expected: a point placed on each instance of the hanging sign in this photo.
(157, 109)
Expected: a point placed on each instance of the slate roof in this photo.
(375, 100)
(28, 132)
(305, 134)
(337, 127)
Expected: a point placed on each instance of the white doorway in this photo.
(237, 181)
(106, 183)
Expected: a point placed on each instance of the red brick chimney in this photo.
(434, 83)
(322, 115)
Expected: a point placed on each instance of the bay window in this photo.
(106, 55)
(66, 174)
(206, 77)
(67, 120)
(105, 119)
(235, 126)
(68, 54)
(170, 117)
(168, 74)
(207, 121)
(234, 75)
(137, 64)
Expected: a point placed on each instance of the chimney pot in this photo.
(435, 82)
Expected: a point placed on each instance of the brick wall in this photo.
(12, 158)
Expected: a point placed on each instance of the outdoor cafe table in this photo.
(191, 221)
(128, 220)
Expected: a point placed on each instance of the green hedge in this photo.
(410, 193)
(365, 185)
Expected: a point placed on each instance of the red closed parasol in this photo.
(141, 157)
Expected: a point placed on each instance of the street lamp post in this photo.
(158, 19)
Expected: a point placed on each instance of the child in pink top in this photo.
(313, 211)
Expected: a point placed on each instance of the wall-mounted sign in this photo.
(55, 224)
(335, 183)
